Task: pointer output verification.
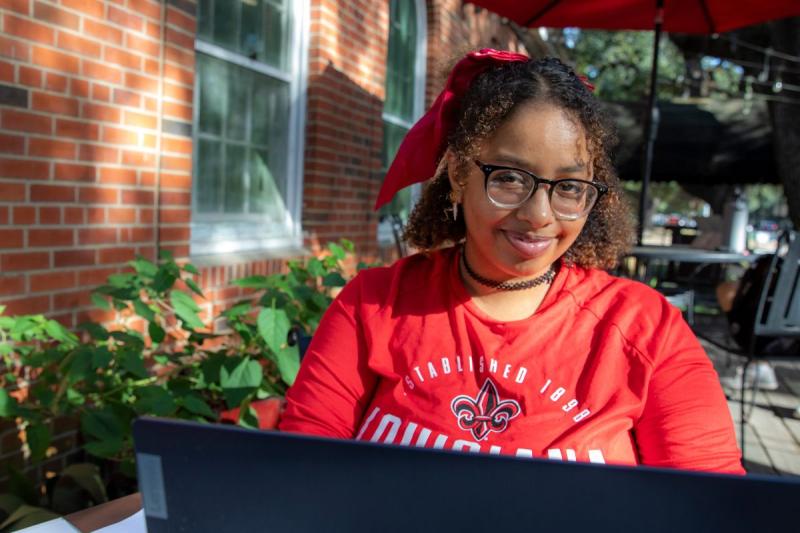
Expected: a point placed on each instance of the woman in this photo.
(505, 336)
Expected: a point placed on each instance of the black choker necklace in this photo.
(544, 279)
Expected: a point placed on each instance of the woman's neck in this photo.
(503, 305)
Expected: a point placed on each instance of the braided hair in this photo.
(489, 101)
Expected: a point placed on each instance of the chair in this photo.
(777, 314)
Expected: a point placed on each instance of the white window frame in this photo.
(385, 234)
(214, 233)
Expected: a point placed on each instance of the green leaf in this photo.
(334, 279)
(38, 438)
(132, 361)
(161, 359)
(164, 279)
(8, 404)
(80, 368)
(347, 245)
(97, 331)
(75, 483)
(121, 281)
(154, 400)
(165, 255)
(106, 449)
(253, 282)
(273, 326)
(248, 417)
(156, 332)
(237, 310)
(192, 285)
(195, 404)
(186, 309)
(144, 267)
(59, 333)
(20, 485)
(101, 424)
(143, 310)
(240, 381)
(211, 367)
(8, 504)
(289, 364)
(315, 268)
(74, 397)
(190, 268)
(100, 301)
(26, 516)
(101, 357)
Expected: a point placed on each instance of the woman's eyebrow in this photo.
(578, 167)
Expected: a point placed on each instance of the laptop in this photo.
(200, 477)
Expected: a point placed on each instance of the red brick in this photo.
(79, 88)
(140, 159)
(94, 277)
(51, 103)
(152, 29)
(147, 179)
(146, 216)
(24, 168)
(131, 118)
(126, 97)
(94, 8)
(102, 31)
(149, 140)
(116, 255)
(72, 300)
(146, 7)
(180, 38)
(11, 238)
(12, 192)
(39, 147)
(137, 197)
(77, 129)
(180, 75)
(24, 261)
(180, 145)
(52, 59)
(98, 154)
(145, 46)
(6, 72)
(55, 82)
(178, 92)
(96, 215)
(11, 285)
(49, 215)
(175, 198)
(84, 47)
(23, 121)
(101, 92)
(180, 56)
(137, 234)
(48, 238)
(180, 111)
(73, 172)
(14, 49)
(176, 181)
(29, 305)
(52, 193)
(74, 215)
(99, 71)
(175, 216)
(72, 258)
(12, 144)
(101, 112)
(56, 16)
(178, 250)
(20, 6)
(32, 77)
(125, 18)
(97, 235)
(177, 163)
(181, 20)
(123, 215)
(152, 67)
(123, 58)
(4, 216)
(119, 136)
(174, 234)
(141, 83)
(28, 29)
(24, 215)
(118, 175)
(98, 195)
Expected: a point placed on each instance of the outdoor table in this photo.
(106, 514)
(646, 254)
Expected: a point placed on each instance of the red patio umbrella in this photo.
(679, 16)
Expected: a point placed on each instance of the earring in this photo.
(453, 210)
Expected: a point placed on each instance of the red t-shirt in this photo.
(605, 371)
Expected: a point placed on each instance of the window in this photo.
(405, 95)
(247, 125)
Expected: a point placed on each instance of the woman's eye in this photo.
(507, 179)
(571, 187)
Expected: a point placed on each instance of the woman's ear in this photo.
(450, 164)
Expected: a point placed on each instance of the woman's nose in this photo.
(536, 210)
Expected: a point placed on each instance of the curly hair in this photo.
(489, 101)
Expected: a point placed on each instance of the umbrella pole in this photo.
(650, 124)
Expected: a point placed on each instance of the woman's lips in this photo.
(527, 246)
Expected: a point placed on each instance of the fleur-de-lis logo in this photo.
(485, 413)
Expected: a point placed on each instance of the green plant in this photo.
(158, 358)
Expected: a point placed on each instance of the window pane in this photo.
(238, 93)
(270, 117)
(276, 26)
(212, 87)
(266, 194)
(209, 176)
(235, 178)
(251, 43)
(401, 60)
(204, 20)
(392, 137)
(226, 20)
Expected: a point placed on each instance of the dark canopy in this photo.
(702, 141)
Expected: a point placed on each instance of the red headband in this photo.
(425, 142)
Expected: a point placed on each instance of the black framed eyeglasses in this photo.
(509, 188)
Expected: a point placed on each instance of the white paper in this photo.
(133, 524)
(58, 525)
